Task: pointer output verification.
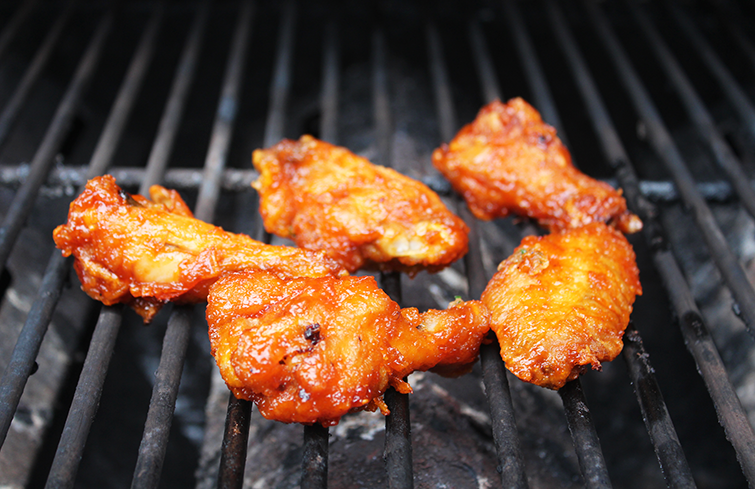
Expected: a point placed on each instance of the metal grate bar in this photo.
(315, 458)
(159, 417)
(586, 442)
(697, 112)
(173, 112)
(163, 402)
(330, 83)
(175, 342)
(668, 449)
(279, 88)
(730, 411)
(30, 339)
(584, 436)
(276, 117)
(21, 363)
(398, 443)
(447, 122)
(505, 435)
(238, 180)
(11, 110)
(235, 441)
(735, 28)
(659, 425)
(14, 24)
(40, 166)
(248, 220)
(535, 76)
(233, 454)
(224, 118)
(86, 398)
(731, 89)
(661, 140)
(483, 63)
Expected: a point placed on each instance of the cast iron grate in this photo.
(485, 28)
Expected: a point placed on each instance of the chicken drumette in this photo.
(325, 197)
(562, 301)
(144, 252)
(310, 350)
(509, 161)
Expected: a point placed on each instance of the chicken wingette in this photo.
(144, 252)
(561, 302)
(324, 197)
(310, 350)
(509, 161)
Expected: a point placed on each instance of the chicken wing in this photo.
(310, 350)
(325, 197)
(562, 301)
(509, 161)
(144, 252)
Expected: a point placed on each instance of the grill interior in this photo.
(653, 97)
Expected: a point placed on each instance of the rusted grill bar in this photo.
(27, 346)
(658, 422)
(659, 137)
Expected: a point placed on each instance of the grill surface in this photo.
(655, 98)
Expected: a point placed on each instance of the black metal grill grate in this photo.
(488, 29)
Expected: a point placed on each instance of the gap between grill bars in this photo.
(479, 30)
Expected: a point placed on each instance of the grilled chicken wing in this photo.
(325, 197)
(144, 252)
(562, 301)
(310, 350)
(509, 161)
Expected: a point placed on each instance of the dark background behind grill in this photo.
(114, 440)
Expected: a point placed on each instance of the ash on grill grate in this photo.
(451, 432)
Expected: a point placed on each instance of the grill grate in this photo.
(214, 177)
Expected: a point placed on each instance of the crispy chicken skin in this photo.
(509, 161)
(310, 350)
(144, 252)
(562, 301)
(325, 197)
